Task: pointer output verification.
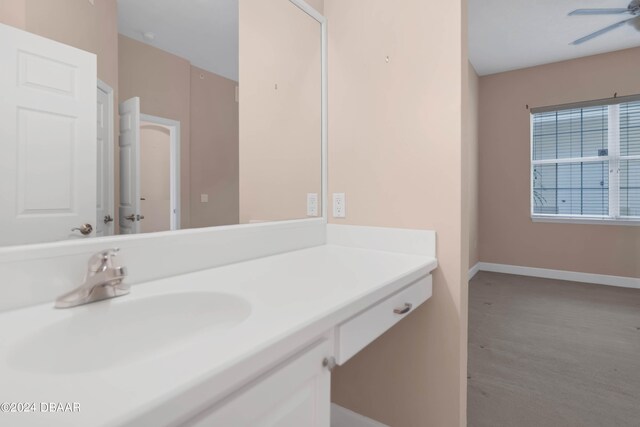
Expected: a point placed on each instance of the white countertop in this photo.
(295, 297)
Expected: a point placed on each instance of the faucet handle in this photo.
(111, 252)
(102, 260)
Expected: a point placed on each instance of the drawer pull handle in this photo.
(404, 309)
(329, 363)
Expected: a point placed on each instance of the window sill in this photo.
(586, 220)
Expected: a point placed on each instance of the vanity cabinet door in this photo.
(295, 394)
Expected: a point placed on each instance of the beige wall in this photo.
(280, 110)
(507, 234)
(163, 83)
(214, 149)
(77, 23)
(317, 5)
(14, 13)
(473, 103)
(395, 149)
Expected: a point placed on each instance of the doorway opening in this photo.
(159, 174)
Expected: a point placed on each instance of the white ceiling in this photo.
(205, 32)
(510, 34)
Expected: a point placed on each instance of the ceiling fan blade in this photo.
(598, 12)
(602, 31)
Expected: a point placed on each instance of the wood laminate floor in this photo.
(552, 353)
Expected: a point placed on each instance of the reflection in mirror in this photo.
(127, 117)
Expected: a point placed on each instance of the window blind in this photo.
(630, 159)
(585, 162)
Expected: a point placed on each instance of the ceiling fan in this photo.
(633, 9)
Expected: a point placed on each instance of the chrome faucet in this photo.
(102, 281)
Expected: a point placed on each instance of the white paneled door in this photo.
(129, 211)
(104, 188)
(47, 139)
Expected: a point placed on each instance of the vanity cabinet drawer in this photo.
(359, 331)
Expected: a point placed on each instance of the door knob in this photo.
(108, 219)
(84, 229)
(131, 217)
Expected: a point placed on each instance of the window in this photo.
(585, 162)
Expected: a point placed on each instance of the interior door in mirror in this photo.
(48, 134)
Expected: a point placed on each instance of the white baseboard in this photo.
(474, 270)
(342, 417)
(574, 276)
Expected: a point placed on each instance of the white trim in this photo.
(175, 135)
(473, 271)
(325, 121)
(574, 276)
(614, 160)
(309, 10)
(567, 219)
(343, 417)
(566, 160)
(532, 201)
(108, 90)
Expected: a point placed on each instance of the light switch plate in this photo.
(204, 198)
(312, 204)
(339, 205)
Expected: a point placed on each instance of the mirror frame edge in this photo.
(322, 20)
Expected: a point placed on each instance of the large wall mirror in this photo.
(141, 116)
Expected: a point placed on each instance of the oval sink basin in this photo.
(117, 331)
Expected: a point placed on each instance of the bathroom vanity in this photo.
(210, 202)
(244, 344)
